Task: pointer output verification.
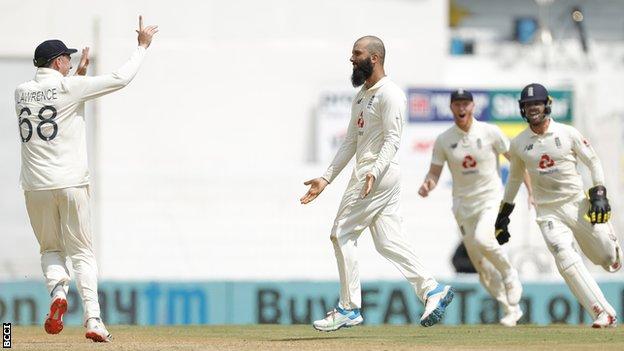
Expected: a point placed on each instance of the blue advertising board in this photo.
(496, 105)
(283, 302)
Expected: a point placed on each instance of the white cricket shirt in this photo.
(374, 132)
(472, 158)
(50, 112)
(551, 160)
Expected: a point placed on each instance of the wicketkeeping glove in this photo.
(599, 209)
(502, 221)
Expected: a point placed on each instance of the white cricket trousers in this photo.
(487, 256)
(379, 212)
(560, 224)
(61, 221)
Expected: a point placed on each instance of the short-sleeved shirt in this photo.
(472, 158)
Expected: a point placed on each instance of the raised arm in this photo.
(87, 88)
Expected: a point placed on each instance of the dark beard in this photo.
(361, 72)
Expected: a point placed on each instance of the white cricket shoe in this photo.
(435, 305)
(514, 291)
(96, 331)
(605, 320)
(339, 318)
(514, 313)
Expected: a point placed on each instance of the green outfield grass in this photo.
(277, 337)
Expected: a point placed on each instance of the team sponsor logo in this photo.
(479, 143)
(359, 101)
(360, 120)
(546, 162)
(453, 145)
(470, 165)
(528, 147)
(469, 162)
(558, 142)
(546, 165)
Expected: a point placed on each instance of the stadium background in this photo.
(198, 165)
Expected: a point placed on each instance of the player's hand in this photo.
(426, 187)
(316, 187)
(84, 62)
(599, 209)
(368, 185)
(145, 34)
(502, 221)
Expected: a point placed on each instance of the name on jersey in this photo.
(37, 96)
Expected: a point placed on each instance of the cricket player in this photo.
(372, 196)
(55, 176)
(549, 151)
(472, 148)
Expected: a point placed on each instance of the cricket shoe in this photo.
(514, 291)
(339, 318)
(435, 305)
(605, 320)
(58, 307)
(514, 313)
(96, 331)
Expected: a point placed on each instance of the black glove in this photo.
(502, 221)
(599, 209)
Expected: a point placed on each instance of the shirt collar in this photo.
(46, 73)
(472, 126)
(549, 131)
(377, 85)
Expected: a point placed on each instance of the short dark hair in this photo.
(375, 46)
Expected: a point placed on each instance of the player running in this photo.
(372, 196)
(549, 151)
(55, 175)
(472, 148)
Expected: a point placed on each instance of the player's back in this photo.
(52, 132)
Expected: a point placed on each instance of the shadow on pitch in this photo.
(311, 338)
